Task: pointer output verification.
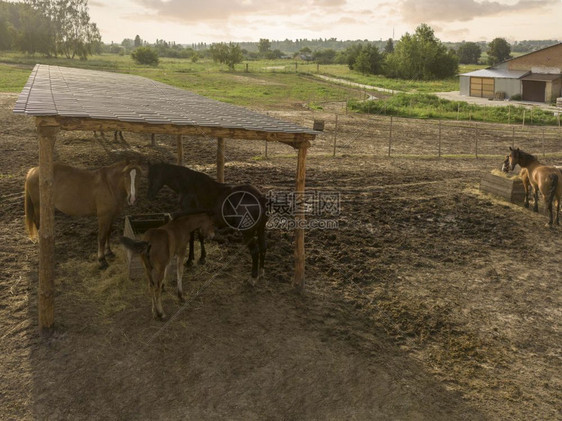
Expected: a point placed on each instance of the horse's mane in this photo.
(525, 158)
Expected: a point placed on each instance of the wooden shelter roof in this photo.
(97, 100)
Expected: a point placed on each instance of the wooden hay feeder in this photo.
(508, 188)
(135, 227)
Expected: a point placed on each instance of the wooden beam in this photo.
(298, 280)
(180, 149)
(46, 291)
(88, 124)
(220, 159)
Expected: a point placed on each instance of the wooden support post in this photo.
(220, 160)
(335, 136)
(390, 138)
(179, 144)
(300, 219)
(439, 147)
(46, 291)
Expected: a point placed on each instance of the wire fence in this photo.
(389, 136)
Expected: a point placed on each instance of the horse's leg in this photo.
(526, 188)
(536, 197)
(191, 257)
(103, 226)
(203, 257)
(107, 250)
(254, 251)
(262, 244)
(179, 274)
(557, 210)
(157, 309)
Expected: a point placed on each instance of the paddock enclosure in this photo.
(431, 300)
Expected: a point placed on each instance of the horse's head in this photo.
(514, 157)
(505, 164)
(155, 180)
(207, 229)
(131, 174)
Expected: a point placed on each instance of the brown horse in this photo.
(547, 180)
(78, 192)
(523, 175)
(160, 245)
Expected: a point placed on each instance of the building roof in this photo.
(542, 77)
(88, 94)
(498, 73)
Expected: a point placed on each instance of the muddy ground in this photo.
(430, 300)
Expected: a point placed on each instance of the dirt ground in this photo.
(430, 300)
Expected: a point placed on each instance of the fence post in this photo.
(265, 149)
(390, 138)
(523, 124)
(476, 146)
(335, 136)
(513, 136)
(543, 151)
(439, 147)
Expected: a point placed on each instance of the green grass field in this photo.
(277, 84)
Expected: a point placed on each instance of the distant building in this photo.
(536, 76)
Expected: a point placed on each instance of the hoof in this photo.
(188, 263)
(261, 275)
(201, 261)
(181, 297)
(252, 281)
(103, 264)
(110, 254)
(160, 317)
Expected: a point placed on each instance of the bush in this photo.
(145, 55)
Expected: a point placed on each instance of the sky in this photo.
(194, 21)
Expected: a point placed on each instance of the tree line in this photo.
(50, 27)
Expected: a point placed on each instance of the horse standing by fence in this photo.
(78, 192)
(547, 180)
(160, 245)
(241, 207)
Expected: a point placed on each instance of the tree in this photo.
(369, 60)
(264, 46)
(229, 54)
(389, 46)
(499, 51)
(145, 55)
(137, 42)
(351, 53)
(421, 56)
(469, 53)
(72, 32)
(326, 56)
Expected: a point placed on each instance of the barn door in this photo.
(534, 90)
(482, 87)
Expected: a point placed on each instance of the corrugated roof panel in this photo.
(70, 92)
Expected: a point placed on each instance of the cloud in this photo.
(196, 11)
(418, 11)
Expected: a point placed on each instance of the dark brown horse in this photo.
(240, 207)
(523, 175)
(160, 245)
(78, 192)
(547, 180)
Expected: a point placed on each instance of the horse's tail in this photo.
(553, 188)
(138, 247)
(29, 213)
